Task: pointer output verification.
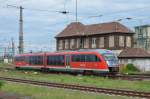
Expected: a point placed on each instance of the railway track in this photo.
(82, 88)
(131, 77)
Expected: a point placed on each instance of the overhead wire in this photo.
(121, 11)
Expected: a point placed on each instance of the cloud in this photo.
(40, 27)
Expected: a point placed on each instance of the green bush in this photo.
(129, 68)
(1, 84)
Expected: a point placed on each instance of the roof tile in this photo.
(79, 29)
(134, 53)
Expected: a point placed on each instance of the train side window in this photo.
(57, 60)
(92, 58)
(49, 60)
(62, 59)
(27, 59)
(76, 58)
(82, 58)
(36, 60)
(16, 58)
(85, 58)
(88, 58)
(53, 60)
(40, 60)
(20, 58)
(73, 58)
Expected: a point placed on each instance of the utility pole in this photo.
(76, 10)
(21, 43)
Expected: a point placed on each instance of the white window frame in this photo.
(101, 42)
(72, 43)
(128, 41)
(86, 42)
(111, 41)
(78, 42)
(60, 44)
(121, 41)
(94, 42)
(66, 44)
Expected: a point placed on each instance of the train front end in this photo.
(112, 62)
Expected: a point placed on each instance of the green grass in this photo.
(6, 64)
(36, 92)
(82, 80)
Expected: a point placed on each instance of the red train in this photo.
(100, 61)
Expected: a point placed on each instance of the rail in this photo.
(82, 88)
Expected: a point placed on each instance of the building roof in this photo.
(134, 53)
(79, 29)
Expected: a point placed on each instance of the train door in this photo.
(68, 61)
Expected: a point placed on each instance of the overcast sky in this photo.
(41, 26)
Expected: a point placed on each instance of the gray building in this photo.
(142, 37)
(136, 56)
(112, 36)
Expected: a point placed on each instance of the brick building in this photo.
(113, 36)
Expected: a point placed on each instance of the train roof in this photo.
(101, 51)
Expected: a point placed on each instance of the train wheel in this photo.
(44, 70)
(88, 72)
(17, 68)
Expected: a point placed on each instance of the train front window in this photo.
(110, 57)
(111, 60)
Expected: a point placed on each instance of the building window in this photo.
(78, 42)
(128, 41)
(94, 42)
(121, 41)
(111, 41)
(82, 43)
(86, 42)
(60, 44)
(72, 43)
(101, 42)
(66, 44)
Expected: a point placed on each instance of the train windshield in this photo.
(110, 57)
